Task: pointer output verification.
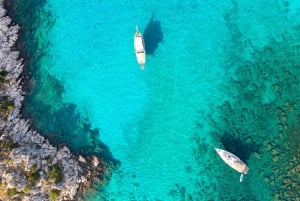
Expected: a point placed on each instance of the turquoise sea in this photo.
(219, 73)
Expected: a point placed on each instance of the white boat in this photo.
(233, 161)
(139, 48)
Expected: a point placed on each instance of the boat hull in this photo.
(139, 48)
(233, 161)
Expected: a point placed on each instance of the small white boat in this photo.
(233, 161)
(139, 48)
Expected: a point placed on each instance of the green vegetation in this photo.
(54, 194)
(6, 105)
(33, 178)
(12, 192)
(8, 144)
(26, 190)
(33, 175)
(33, 169)
(55, 174)
(2, 80)
(47, 158)
(8, 160)
(3, 74)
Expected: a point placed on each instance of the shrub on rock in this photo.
(55, 173)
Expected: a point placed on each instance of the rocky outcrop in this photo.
(30, 167)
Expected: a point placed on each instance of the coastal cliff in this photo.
(30, 167)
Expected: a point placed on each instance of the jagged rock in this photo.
(19, 157)
(10, 178)
(81, 159)
(39, 196)
(2, 166)
(2, 12)
(95, 161)
(82, 179)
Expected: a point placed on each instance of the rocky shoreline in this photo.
(30, 167)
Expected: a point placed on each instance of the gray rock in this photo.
(81, 159)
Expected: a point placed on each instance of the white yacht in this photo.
(233, 161)
(139, 48)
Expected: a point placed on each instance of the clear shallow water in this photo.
(147, 118)
(110, 83)
(218, 78)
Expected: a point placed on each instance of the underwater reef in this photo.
(259, 119)
(260, 123)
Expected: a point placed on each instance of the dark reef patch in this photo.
(238, 147)
(153, 35)
(32, 18)
(260, 121)
(265, 111)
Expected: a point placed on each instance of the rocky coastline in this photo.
(30, 167)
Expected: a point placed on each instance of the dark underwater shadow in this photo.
(153, 35)
(62, 125)
(238, 147)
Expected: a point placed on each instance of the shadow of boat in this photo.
(238, 147)
(153, 35)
